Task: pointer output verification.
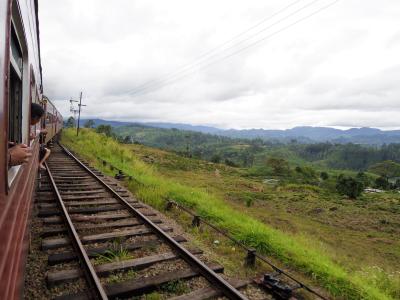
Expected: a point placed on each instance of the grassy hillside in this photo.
(350, 247)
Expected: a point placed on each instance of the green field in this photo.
(348, 247)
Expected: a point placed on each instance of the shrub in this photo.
(216, 158)
(324, 175)
(89, 124)
(361, 176)
(230, 163)
(349, 186)
(382, 183)
(106, 129)
(278, 165)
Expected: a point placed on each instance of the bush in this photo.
(216, 159)
(230, 163)
(106, 129)
(382, 183)
(361, 176)
(306, 175)
(324, 175)
(70, 123)
(349, 186)
(89, 124)
(397, 184)
(278, 165)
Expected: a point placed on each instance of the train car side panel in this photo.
(5, 19)
(19, 53)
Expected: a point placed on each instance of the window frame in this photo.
(17, 29)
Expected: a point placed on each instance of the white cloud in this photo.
(338, 68)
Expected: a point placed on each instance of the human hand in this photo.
(19, 154)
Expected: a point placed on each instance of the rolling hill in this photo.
(302, 134)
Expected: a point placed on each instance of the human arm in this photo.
(18, 154)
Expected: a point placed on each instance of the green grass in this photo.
(113, 255)
(298, 251)
(153, 296)
(175, 287)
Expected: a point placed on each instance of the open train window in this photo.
(15, 94)
(18, 106)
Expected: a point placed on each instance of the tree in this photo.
(349, 186)
(127, 140)
(279, 165)
(298, 169)
(386, 168)
(324, 175)
(106, 129)
(216, 158)
(89, 124)
(230, 163)
(397, 184)
(247, 157)
(361, 176)
(70, 122)
(382, 183)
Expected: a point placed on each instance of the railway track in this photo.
(102, 243)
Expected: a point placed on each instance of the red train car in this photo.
(21, 73)
(53, 121)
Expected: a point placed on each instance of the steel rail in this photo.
(91, 276)
(227, 289)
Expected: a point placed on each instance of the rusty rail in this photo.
(217, 281)
(90, 273)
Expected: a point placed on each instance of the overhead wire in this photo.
(201, 61)
(177, 77)
(205, 54)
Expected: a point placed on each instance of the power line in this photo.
(174, 78)
(209, 54)
(233, 46)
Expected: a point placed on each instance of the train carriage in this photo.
(21, 85)
(53, 120)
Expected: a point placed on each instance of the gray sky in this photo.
(339, 67)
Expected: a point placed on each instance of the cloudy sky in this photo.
(226, 63)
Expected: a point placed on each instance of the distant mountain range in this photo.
(303, 134)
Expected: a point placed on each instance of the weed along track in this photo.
(102, 243)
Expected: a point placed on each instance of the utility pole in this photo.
(79, 115)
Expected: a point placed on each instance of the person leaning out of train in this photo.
(37, 112)
(18, 154)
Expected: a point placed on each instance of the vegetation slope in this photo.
(350, 247)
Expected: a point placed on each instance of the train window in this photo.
(18, 103)
(16, 53)
(15, 94)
